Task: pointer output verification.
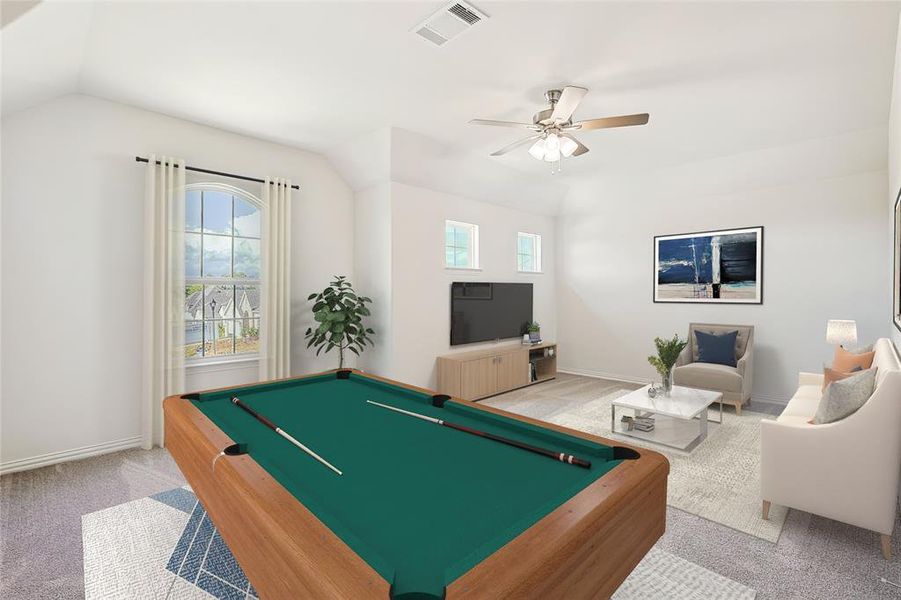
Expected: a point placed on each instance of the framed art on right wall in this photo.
(896, 264)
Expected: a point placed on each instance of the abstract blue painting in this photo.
(720, 267)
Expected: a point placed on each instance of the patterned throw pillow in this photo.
(845, 396)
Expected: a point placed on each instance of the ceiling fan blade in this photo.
(582, 149)
(505, 124)
(608, 122)
(515, 145)
(567, 103)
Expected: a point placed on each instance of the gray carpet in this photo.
(40, 520)
(41, 543)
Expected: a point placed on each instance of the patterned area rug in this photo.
(165, 546)
(719, 480)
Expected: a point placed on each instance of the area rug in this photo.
(719, 480)
(165, 546)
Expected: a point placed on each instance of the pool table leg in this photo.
(886, 546)
(766, 510)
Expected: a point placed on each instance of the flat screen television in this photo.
(489, 311)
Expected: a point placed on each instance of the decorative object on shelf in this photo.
(896, 282)
(713, 267)
(667, 353)
(653, 391)
(534, 332)
(839, 332)
(340, 312)
(526, 340)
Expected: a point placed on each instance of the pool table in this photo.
(420, 511)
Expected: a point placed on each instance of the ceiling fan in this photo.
(552, 128)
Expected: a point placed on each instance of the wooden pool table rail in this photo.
(583, 549)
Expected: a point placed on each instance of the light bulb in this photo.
(552, 143)
(538, 149)
(567, 146)
(552, 155)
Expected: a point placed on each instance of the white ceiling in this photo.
(718, 78)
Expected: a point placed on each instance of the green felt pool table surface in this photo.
(420, 503)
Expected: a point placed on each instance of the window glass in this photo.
(222, 273)
(528, 252)
(460, 245)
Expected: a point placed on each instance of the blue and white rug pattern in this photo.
(165, 546)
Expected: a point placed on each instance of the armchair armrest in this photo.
(743, 363)
(684, 357)
(810, 379)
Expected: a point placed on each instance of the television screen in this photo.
(489, 311)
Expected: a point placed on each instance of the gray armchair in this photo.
(734, 382)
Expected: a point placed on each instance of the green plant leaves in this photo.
(339, 312)
(667, 354)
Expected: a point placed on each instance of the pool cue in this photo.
(237, 402)
(560, 456)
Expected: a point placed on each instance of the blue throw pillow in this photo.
(716, 349)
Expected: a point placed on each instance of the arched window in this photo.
(223, 226)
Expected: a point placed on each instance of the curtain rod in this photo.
(209, 172)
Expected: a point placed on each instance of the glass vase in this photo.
(668, 383)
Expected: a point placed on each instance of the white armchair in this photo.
(847, 470)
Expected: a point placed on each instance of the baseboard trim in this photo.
(53, 458)
(642, 381)
(603, 375)
(769, 399)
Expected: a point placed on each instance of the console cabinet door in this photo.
(512, 370)
(479, 378)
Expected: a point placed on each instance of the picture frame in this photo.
(896, 264)
(723, 266)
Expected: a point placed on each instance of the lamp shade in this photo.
(538, 149)
(840, 332)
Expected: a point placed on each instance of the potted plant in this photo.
(534, 332)
(667, 354)
(339, 311)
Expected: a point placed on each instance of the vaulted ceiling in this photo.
(718, 78)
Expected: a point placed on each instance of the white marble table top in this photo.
(683, 403)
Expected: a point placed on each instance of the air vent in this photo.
(449, 22)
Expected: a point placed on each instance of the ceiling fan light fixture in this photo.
(552, 143)
(567, 146)
(538, 149)
(555, 124)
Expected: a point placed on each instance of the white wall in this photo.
(72, 236)
(421, 283)
(406, 185)
(823, 258)
(894, 160)
(372, 256)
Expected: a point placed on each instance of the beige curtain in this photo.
(275, 329)
(164, 288)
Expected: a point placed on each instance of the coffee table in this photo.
(682, 406)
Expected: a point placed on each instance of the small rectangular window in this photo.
(461, 245)
(528, 252)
